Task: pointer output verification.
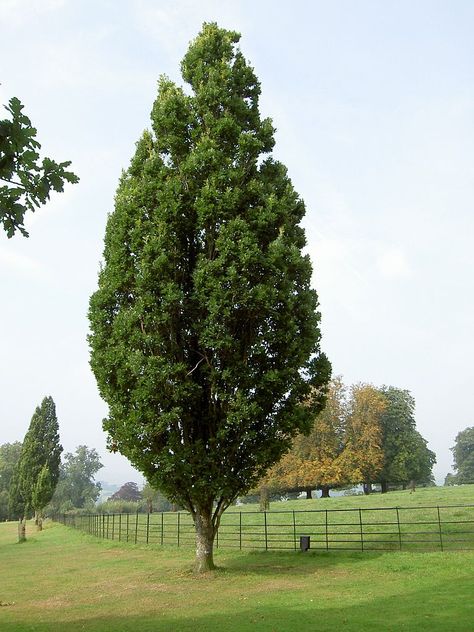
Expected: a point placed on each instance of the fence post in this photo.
(120, 526)
(162, 526)
(108, 520)
(128, 523)
(103, 525)
(178, 525)
(240, 530)
(326, 524)
(361, 530)
(147, 526)
(266, 532)
(294, 529)
(136, 527)
(440, 533)
(399, 530)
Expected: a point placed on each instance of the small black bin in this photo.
(304, 542)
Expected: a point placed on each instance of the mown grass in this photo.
(62, 579)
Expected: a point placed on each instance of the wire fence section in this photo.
(445, 528)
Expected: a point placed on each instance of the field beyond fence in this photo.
(442, 528)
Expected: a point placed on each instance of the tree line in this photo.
(364, 435)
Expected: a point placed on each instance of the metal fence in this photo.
(445, 528)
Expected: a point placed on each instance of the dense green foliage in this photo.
(205, 330)
(406, 455)
(25, 184)
(38, 467)
(9, 457)
(463, 452)
(76, 487)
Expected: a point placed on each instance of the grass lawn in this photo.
(62, 579)
(419, 521)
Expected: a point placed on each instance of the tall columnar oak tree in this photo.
(205, 331)
(38, 467)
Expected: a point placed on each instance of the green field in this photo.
(421, 521)
(62, 579)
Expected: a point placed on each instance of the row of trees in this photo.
(364, 435)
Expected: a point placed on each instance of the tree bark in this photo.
(325, 491)
(205, 533)
(308, 494)
(367, 488)
(39, 521)
(264, 499)
(22, 530)
(384, 487)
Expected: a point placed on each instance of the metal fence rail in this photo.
(445, 528)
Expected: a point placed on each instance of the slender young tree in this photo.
(204, 329)
(38, 467)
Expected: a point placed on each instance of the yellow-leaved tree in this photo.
(362, 456)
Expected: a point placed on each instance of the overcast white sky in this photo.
(374, 107)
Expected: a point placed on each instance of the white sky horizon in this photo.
(373, 105)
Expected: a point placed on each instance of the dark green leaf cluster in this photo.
(205, 330)
(25, 183)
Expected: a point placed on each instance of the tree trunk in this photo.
(325, 491)
(308, 494)
(205, 533)
(39, 520)
(264, 499)
(22, 530)
(384, 487)
(367, 488)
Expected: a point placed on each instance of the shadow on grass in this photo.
(291, 562)
(437, 608)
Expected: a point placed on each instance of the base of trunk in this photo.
(22, 531)
(325, 492)
(205, 533)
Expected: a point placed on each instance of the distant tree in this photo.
(406, 455)
(38, 467)
(25, 184)
(128, 491)
(76, 487)
(9, 457)
(314, 459)
(205, 335)
(420, 461)
(463, 452)
(450, 479)
(362, 457)
(155, 499)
